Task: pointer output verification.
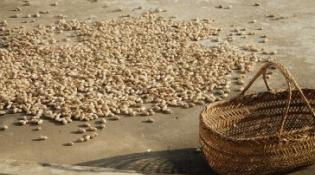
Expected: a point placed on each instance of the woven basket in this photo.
(264, 133)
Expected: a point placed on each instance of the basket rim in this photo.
(257, 138)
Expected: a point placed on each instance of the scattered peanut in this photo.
(54, 4)
(69, 144)
(4, 127)
(149, 120)
(81, 131)
(38, 128)
(253, 21)
(102, 126)
(257, 4)
(42, 138)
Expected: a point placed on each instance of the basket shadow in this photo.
(182, 161)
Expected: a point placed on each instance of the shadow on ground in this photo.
(183, 161)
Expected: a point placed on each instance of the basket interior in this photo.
(260, 115)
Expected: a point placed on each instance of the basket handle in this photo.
(290, 81)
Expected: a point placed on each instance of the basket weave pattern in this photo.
(260, 133)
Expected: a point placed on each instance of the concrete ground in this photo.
(11, 167)
(168, 145)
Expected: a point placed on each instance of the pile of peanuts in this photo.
(124, 66)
